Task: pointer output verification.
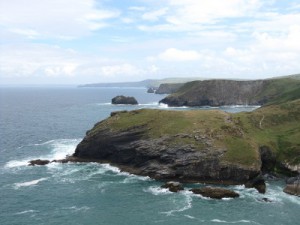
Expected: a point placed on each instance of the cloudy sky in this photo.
(86, 41)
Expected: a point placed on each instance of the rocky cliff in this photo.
(210, 146)
(168, 88)
(230, 92)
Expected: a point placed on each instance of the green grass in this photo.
(240, 151)
(240, 134)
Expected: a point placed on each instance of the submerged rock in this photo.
(38, 162)
(121, 99)
(213, 192)
(173, 186)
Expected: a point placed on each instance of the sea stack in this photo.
(121, 99)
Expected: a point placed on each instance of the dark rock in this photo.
(258, 183)
(121, 99)
(293, 186)
(293, 180)
(38, 162)
(292, 189)
(217, 193)
(173, 186)
(151, 90)
(268, 159)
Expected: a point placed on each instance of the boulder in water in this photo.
(39, 162)
(173, 186)
(214, 192)
(293, 186)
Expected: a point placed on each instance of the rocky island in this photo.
(121, 99)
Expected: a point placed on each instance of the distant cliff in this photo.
(230, 92)
(145, 83)
(168, 88)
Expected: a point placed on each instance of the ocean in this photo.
(48, 123)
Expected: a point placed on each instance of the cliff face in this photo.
(210, 146)
(168, 88)
(187, 156)
(230, 92)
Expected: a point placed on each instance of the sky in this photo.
(91, 41)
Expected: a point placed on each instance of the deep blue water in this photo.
(49, 122)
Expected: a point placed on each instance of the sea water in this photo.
(48, 123)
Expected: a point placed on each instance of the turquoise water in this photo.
(48, 123)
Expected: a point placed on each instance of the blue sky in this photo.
(86, 41)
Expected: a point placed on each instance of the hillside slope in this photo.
(229, 92)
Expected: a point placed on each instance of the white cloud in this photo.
(123, 69)
(192, 15)
(137, 8)
(53, 18)
(154, 15)
(173, 54)
(35, 60)
(194, 11)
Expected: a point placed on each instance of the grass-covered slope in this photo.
(226, 92)
(237, 137)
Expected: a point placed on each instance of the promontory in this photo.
(199, 146)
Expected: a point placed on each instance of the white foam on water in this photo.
(106, 103)
(149, 104)
(108, 167)
(157, 190)
(63, 147)
(165, 106)
(187, 204)
(131, 178)
(232, 222)
(17, 163)
(162, 105)
(60, 148)
(29, 183)
(190, 217)
(77, 209)
(26, 211)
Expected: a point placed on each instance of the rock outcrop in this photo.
(197, 146)
(38, 162)
(151, 90)
(173, 186)
(258, 183)
(214, 192)
(144, 143)
(121, 99)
